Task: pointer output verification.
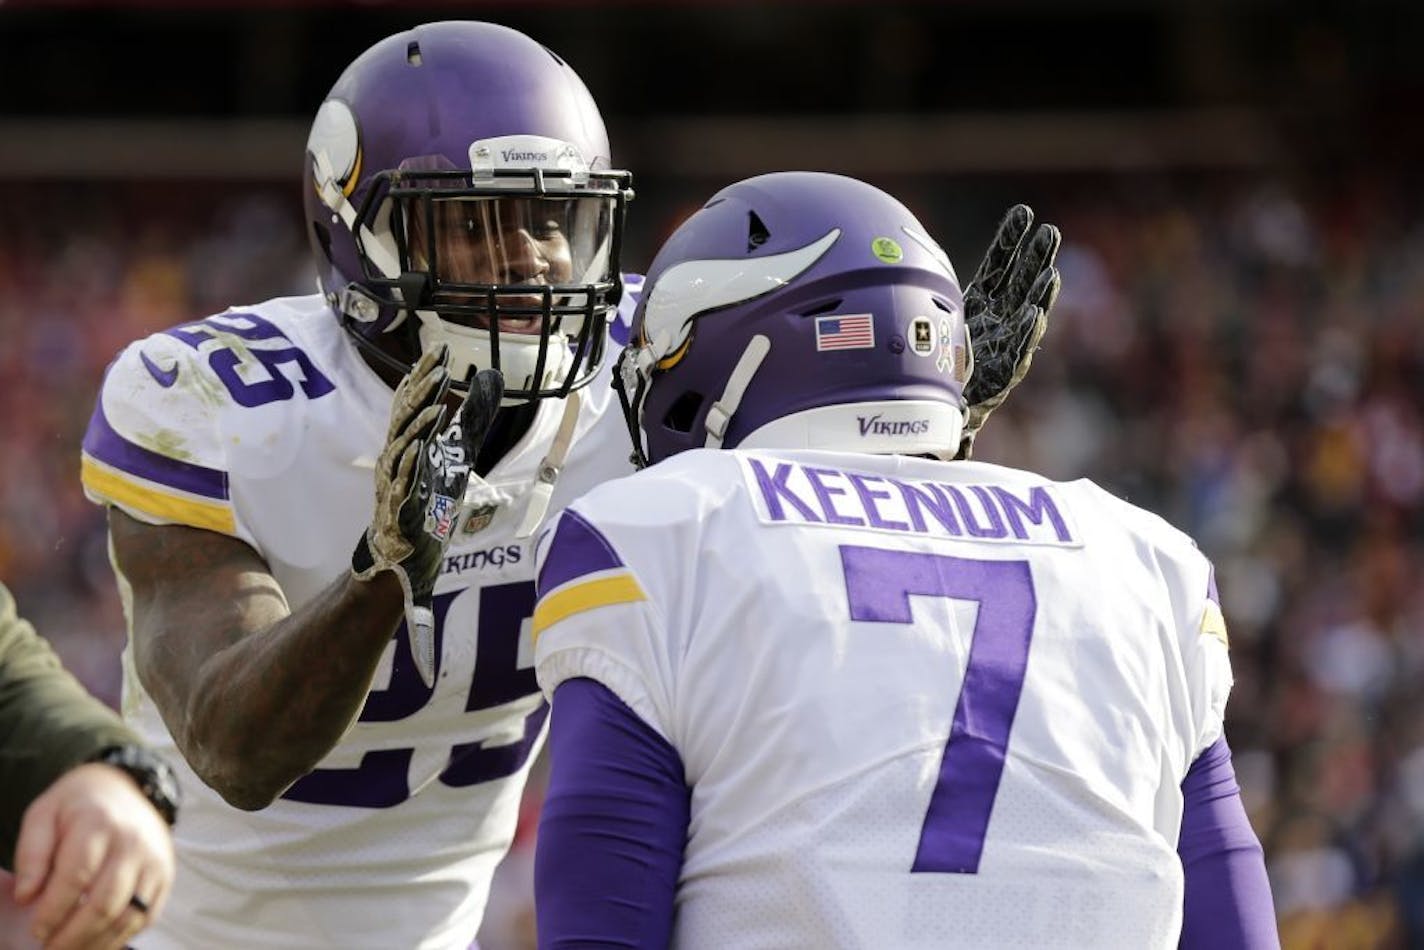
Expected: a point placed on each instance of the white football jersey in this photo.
(264, 423)
(918, 703)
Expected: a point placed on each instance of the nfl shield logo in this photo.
(479, 519)
(440, 516)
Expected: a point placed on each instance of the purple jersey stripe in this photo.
(102, 443)
(577, 549)
(1211, 593)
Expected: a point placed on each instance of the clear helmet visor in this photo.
(511, 281)
(510, 268)
(515, 255)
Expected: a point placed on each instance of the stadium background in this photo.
(1239, 344)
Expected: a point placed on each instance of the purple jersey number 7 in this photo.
(878, 585)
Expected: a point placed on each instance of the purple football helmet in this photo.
(798, 310)
(458, 190)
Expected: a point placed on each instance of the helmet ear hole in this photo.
(683, 412)
(824, 307)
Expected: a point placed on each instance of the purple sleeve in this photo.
(612, 828)
(1228, 898)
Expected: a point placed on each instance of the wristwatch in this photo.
(154, 777)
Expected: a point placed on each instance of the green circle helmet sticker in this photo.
(887, 250)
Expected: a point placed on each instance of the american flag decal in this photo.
(855, 331)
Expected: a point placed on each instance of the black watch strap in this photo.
(155, 778)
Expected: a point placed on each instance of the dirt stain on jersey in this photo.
(208, 389)
(165, 442)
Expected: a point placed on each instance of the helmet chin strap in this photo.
(720, 415)
(550, 467)
(519, 354)
(631, 375)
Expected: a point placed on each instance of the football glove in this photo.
(1006, 308)
(421, 477)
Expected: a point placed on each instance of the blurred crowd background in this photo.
(1239, 344)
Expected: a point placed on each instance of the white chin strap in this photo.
(550, 467)
(518, 353)
(720, 415)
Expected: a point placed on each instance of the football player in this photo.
(818, 684)
(356, 726)
(350, 784)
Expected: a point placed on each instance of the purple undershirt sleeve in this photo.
(612, 827)
(1228, 902)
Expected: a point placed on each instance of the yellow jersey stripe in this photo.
(1213, 624)
(214, 516)
(599, 592)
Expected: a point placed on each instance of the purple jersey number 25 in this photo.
(879, 584)
(227, 359)
(382, 778)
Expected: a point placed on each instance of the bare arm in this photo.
(254, 693)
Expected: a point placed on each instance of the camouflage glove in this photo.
(1006, 310)
(421, 477)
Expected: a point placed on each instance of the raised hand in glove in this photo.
(421, 477)
(1006, 308)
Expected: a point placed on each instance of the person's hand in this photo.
(1006, 308)
(421, 477)
(94, 860)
